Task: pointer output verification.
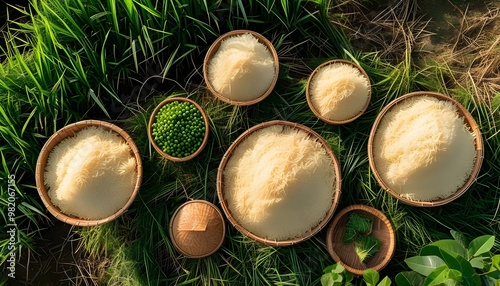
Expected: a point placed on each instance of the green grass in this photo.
(72, 59)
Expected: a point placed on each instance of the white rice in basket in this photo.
(242, 69)
(423, 150)
(339, 91)
(92, 174)
(279, 183)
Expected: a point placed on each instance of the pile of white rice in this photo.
(242, 69)
(92, 174)
(279, 183)
(423, 150)
(339, 91)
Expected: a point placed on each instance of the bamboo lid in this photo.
(197, 229)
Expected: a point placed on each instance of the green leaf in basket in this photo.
(359, 223)
(366, 246)
(481, 245)
(349, 235)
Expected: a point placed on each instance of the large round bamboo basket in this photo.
(468, 120)
(69, 131)
(237, 224)
(152, 119)
(197, 229)
(344, 253)
(308, 92)
(213, 50)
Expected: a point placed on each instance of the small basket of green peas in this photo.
(178, 129)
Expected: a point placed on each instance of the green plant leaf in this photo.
(424, 264)
(348, 276)
(478, 262)
(451, 246)
(495, 261)
(443, 275)
(481, 245)
(455, 261)
(385, 282)
(335, 268)
(494, 274)
(331, 279)
(409, 278)
(459, 237)
(371, 277)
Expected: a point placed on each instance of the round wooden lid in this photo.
(197, 229)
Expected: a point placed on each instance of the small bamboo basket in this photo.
(213, 50)
(345, 254)
(197, 229)
(69, 131)
(234, 221)
(308, 92)
(468, 120)
(153, 118)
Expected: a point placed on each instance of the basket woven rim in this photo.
(215, 47)
(308, 93)
(237, 225)
(152, 119)
(468, 120)
(171, 228)
(363, 209)
(56, 138)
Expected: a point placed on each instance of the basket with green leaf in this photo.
(361, 237)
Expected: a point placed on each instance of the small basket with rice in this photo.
(279, 183)
(83, 195)
(241, 67)
(338, 91)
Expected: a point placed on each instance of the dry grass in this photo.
(391, 30)
(474, 57)
(465, 40)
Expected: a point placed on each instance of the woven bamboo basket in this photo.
(236, 223)
(69, 131)
(468, 120)
(345, 254)
(153, 118)
(197, 229)
(213, 50)
(308, 92)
